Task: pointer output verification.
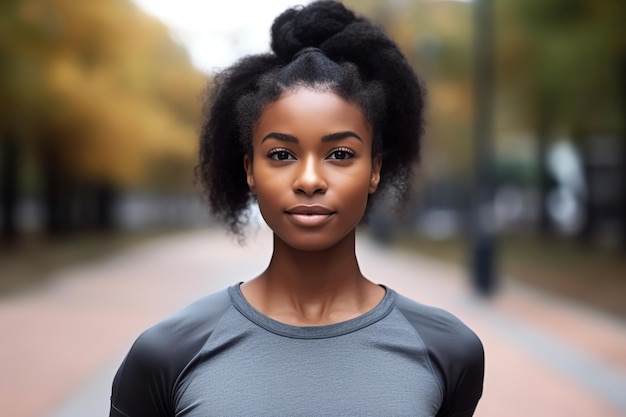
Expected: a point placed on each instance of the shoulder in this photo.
(455, 351)
(187, 327)
(150, 369)
(439, 326)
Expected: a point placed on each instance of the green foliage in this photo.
(564, 54)
(436, 37)
(557, 62)
(98, 88)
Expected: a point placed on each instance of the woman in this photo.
(311, 132)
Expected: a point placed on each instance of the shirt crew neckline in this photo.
(312, 332)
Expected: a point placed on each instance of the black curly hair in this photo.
(322, 46)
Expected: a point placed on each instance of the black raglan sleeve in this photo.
(456, 353)
(462, 364)
(144, 384)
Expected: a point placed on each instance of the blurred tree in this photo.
(101, 95)
(14, 95)
(560, 71)
(560, 62)
(436, 37)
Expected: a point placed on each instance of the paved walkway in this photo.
(62, 343)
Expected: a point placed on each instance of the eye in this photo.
(341, 154)
(280, 154)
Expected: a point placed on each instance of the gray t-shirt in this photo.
(222, 357)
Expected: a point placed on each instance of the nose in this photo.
(309, 178)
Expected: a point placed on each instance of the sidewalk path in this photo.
(61, 343)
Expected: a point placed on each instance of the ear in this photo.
(247, 165)
(377, 163)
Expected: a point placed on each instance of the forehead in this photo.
(311, 110)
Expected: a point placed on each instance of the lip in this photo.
(309, 215)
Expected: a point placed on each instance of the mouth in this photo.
(309, 210)
(310, 215)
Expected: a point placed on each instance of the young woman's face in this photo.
(312, 168)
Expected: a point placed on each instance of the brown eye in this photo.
(341, 154)
(280, 155)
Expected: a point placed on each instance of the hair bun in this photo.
(310, 25)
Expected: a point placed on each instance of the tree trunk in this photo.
(105, 205)
(591, 207)
(587, 230)
(622, 87)
(544, 179)
(55, 197)
(9, 187)
(622, 202)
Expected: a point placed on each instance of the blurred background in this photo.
(522, 180)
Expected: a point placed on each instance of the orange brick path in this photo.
(61, 343)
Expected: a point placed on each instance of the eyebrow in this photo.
(326, 138)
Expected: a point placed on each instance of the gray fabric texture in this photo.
(221, 357)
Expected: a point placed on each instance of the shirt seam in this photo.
(431, 368)
(177, 380)
(118, 410)
(258, 319)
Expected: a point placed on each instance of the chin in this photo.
(310, 242)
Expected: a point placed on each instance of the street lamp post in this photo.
(482, 239)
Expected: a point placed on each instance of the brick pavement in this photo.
(62, 342)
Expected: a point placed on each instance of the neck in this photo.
(313, 287)
(314, 272)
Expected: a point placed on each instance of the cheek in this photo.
(269, 186)
(355, 189)
(265, 177)
(359, 179)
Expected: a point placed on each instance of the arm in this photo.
(463, 369)
(465, 385)
(142, 387)
(145, 382)
(456, 354)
